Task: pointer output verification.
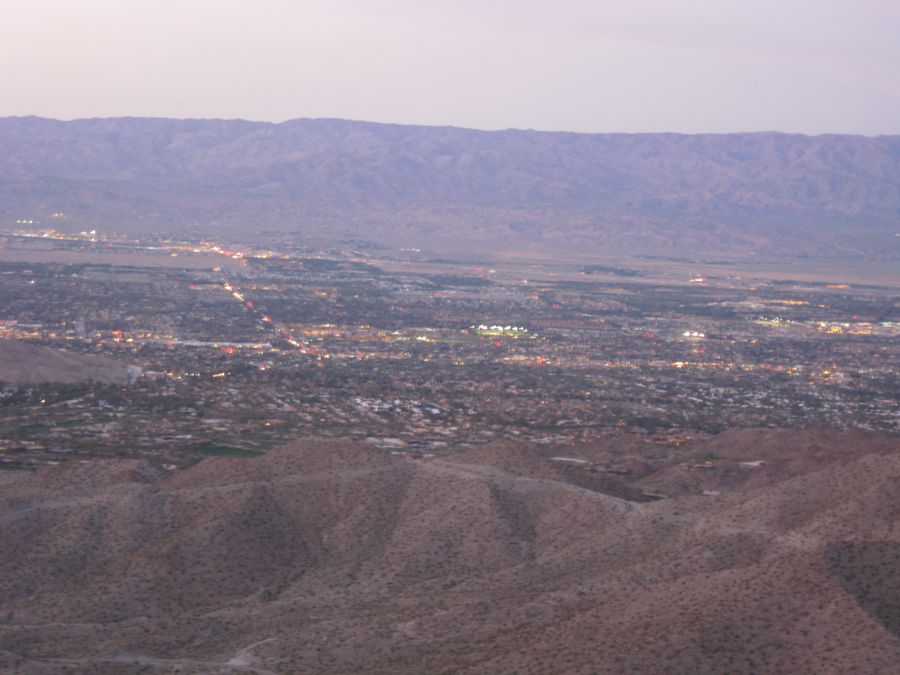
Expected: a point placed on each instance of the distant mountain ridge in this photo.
(727, 193)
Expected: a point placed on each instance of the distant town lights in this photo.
(484, 326)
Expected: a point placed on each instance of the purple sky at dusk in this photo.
(811, 66)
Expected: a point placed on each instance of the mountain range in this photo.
(659, 194)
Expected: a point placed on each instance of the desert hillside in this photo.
(328, 556)
(23, 363)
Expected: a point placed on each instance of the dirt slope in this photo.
(327, 556)
(23, 363)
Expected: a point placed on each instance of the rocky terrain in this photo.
(22, 364)
(727, 194)
(750, 551)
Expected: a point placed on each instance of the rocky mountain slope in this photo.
(763, 193)
(326, 556)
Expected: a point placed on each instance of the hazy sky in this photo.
(812, 66)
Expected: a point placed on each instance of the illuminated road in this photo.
(265, 320)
